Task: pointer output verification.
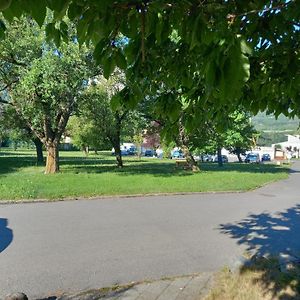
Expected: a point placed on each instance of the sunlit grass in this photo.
(97, 175)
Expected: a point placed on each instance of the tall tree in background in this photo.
(240, 135)
(42, 82)
(16, 126)
(104, 106)
(48, 94)
(86, 135)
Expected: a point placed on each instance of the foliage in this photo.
(269, 138)
(241, 135)
(42, 82)
(213, 47)
(85, 134)
(264, 122)
(103, 109)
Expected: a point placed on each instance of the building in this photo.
(291, 145)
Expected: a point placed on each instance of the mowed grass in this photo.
(97, 175)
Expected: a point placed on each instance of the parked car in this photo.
(266, 157)
(131, 150)
(207, 158)
(149, 152)
(252, 158)
(224, 159)
(124, 152)
(177, 154)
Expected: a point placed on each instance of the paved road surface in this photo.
(66, 246)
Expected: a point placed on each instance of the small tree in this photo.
(240, 135)
(17, 127)
(105, 107)
(86, 135)
(138, 141)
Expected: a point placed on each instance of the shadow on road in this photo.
(266, 236)
(6, 235)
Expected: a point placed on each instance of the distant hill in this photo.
(272, 130)
(269, 123)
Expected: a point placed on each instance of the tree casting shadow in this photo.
(6, 235)
(267, 236)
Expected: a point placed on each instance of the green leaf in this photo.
(15, 10)
(108, 66)
(121, 60)
(2, 30)
(56, 37)
(53, 33)
(38, 10)
(74, 11)
(115, 102)
(64, 30)
(159, 29)
(57, 5)
(195, 34)
(246, 49)
(82, 28)
(99, 49)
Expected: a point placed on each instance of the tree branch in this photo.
(4, 101)
(11, 59)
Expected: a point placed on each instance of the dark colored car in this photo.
(131, 151)
(266, 157)
(252, 158)
(149, 152)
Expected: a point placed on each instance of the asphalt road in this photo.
(66, 246)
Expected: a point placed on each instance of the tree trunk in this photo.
(220, 160)
(191, 163)
(184, 141)
(239, 157)
(117, 141)
(86, 150)
(39, 151)
(118, 155)
(52, 164)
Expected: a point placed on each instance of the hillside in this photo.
(263, 122)
(272, 130)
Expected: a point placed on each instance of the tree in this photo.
(42, 82)
(240, 135)
(210, 41)
(86, 134)
(15, 126)
(104, 108)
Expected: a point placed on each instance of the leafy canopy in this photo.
(211, 50)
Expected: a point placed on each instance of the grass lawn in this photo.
(97, 175)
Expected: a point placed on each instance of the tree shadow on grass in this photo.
(6, 235)
(243, 167)
(159, 168)
(132, 166)
(165, 170)
(266, 237)
(12, 164)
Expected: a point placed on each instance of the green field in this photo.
(97, 175)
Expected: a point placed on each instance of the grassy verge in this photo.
(263, 280)
(97, 175)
